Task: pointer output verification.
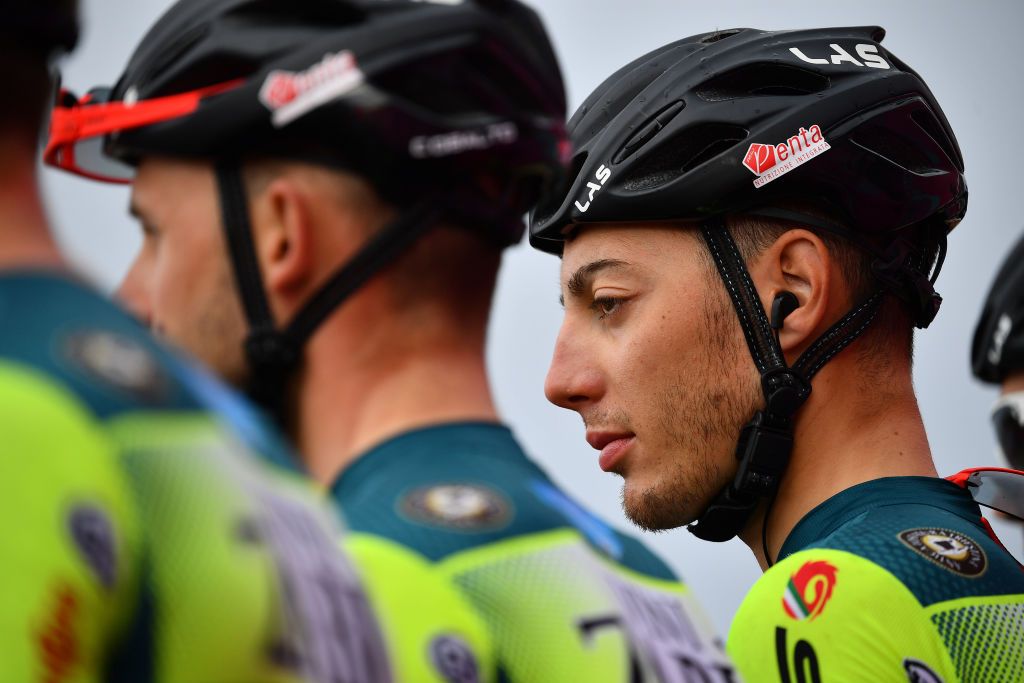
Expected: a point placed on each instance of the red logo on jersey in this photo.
(58, 644)
(809, 590)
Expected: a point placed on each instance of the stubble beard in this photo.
(699, 414)
(216, 332)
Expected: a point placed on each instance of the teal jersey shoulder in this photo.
(563, 595)
(112, 365)
(895, 579)
(926, 532)
(446, 489)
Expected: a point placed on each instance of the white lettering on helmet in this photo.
(999, 337)
(459, 141)
(867, 52)
(602, 175)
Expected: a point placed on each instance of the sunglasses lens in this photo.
(89, 158)
(1003, 491)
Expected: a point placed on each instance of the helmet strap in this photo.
(766, 441)
(273, 354)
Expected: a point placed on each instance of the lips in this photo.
(613, 446)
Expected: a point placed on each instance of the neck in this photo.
(840, 442)
(25, 239)
(359, 390)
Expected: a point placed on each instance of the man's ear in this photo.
(282, 224)
(800, 263)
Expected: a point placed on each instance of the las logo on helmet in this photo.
(867, 52)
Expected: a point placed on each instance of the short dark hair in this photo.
(27, 76)
(892, 325)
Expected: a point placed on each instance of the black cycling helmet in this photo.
(450, 109)
(40, 26)
(692, 130)
(998, 348)
(821, 127)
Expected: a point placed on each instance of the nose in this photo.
(133, 293)
(574, 379)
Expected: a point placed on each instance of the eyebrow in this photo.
(580, 280)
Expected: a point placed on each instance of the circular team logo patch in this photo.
(454, 660)
(463, 506)
(118, 361)
(93, 534)
(809, 589)
(949, 549)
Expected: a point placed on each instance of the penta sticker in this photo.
(290, 95)
(469, 507)
(948, 549)
(809, 589)
(769, 162)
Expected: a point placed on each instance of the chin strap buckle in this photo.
(271, 357)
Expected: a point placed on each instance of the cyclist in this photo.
(813, 174)
(143, 540)
(380, 155)
(997, 355)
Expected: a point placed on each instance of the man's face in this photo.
(180, 283)
(652, 357)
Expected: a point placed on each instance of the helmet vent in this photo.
(762, 79)
(926, 120)
(682, 153)
(648, 131)
(549, 203)
(719, 35)
(896, 149)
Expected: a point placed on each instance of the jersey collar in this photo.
(870, 495)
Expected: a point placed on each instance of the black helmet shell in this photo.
(676, 135)
(998, 348)
(462, 101)
(40, 26)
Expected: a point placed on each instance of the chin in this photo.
(654, 509)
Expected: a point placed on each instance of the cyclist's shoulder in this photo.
(453, 488)
(936, 553)
(68, 336)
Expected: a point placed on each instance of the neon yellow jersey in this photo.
(154, 530)
(563, 596)
(892, 580)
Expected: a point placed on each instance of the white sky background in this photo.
(966, 51)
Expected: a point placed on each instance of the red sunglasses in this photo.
(78, 127)
(995, 487)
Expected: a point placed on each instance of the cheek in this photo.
(181, 273)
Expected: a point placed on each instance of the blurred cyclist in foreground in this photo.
(153, 528)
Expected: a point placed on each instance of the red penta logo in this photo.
(809, 590)
(760, 158)
(282, 88)
(769, 162)
(279, 89)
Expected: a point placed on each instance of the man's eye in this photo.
(606, 305)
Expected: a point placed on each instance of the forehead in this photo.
(641, 244)
(162, 182)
